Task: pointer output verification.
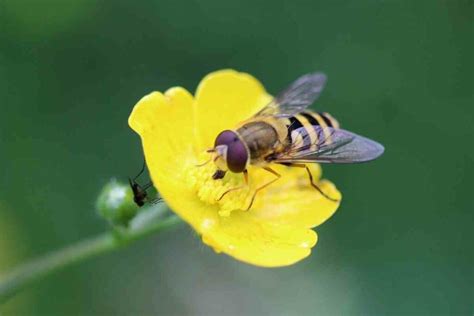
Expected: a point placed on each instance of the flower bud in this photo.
(115, 203)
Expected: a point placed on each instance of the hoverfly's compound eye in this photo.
(236, 151)
(225, 138)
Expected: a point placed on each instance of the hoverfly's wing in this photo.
(297, 97)
(331, 146)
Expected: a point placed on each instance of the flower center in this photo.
(214, 191)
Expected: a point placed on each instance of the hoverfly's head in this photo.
(230, 153)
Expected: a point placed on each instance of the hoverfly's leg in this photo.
(318, 188)
(278, 176)
(314, 185)
(246, 180)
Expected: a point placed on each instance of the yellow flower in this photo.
(176, 129)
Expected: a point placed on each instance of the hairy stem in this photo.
(149, 222)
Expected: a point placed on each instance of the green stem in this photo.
(36, 269)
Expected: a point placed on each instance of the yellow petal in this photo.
(260, 243)
(293, 201)
(276, 231)
(223, 99)
(165, 124)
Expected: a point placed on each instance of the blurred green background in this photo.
(400, 72)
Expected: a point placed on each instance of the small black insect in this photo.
(140, 195)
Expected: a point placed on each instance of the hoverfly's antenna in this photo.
(204, 163)
(210, 151)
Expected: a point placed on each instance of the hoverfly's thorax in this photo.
(260, 137)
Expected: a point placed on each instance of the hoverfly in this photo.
(140, 195)
(285, 132)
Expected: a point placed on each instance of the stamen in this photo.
(209, 190)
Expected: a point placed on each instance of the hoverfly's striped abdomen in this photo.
(321, 119)
(309, 130)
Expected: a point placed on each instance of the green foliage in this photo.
(400, 72)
